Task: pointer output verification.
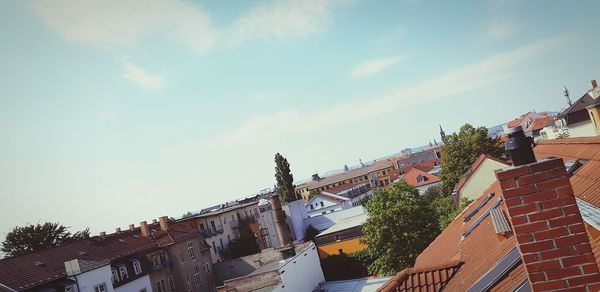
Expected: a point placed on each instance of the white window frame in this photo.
(171, 284)
(197, 276)
(100, 287)
(206, 267)
(123, 272)
(190, 246)
(137, 267)
(161, 286)
(115, 275)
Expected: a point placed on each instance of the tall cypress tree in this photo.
(285, 180)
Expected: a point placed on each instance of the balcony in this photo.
(207, 233)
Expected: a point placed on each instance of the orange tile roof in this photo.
(586, 180)
(430, 279)
(411, 175)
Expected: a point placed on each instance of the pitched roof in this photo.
(326, 194)
(578, 105)
(350, 174)
(347, 223)
(586, 180)
(21, 272)
(469, 173)
(412, 175)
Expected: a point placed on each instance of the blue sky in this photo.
(114, 112)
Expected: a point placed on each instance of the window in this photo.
(336, 237)
(228, 239)
(69, 289)
(100, 288)
(214, 245)
(312, 207)
(123, 272)
(201, 226)
(420, 179)
(190, 246)
(156, 261)
(115, 276)
(341, 251)
(171, 284)
(221, 242)
(206, 267)
(160, 286)
(197, 277)
(137, 268)
(322, 204)
(187, 283)
(212, 224)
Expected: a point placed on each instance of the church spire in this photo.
(442, 133)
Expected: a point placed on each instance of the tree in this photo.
(285, 180)
(399, 227)
(342, 267)
(30, 238)
(311, 233)
(187, 214)
(461, 149)
(243, 246)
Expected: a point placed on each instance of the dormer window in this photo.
(123, 272)
(137, 267)
(421, 178)
(322, 204)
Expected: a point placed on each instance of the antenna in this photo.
(566, 94)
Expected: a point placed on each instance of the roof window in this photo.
(474, 211)
(482, 217)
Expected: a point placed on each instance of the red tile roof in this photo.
(412, 174)
(430, 279)
(20, 273)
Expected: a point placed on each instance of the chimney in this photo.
(594, 84)
(103, 234)
(144, 229)
(315, 177)
(154, 221)
(118, 230)
(164, 223)
(519, 146)
(279, 218)
(547, 224)
(131, 227)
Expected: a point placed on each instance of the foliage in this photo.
(30, 238)
(399, 227)
(444, 221)
(563, 135)
(187, 214)
(313, 193)
(311, 233)
(285, 180)
(342, 267)
(243, 246)
(461, 149)
(443, 205)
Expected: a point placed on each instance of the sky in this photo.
(115, 112)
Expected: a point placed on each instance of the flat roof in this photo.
(354, 285)
(347, 223)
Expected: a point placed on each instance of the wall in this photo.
(480, 180)
(302, 272)
(246, 284)
(180, 269)
(325, 221)
(347, 246)
(245, 265)
(267, 222)
(583, 129)
(88, 280)
(137, 285)
(594, 113)
(328, 205)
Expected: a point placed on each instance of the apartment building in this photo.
(147, 258)
(223, 223)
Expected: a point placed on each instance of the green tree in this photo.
(30, 238)
(285, 180)
(243, 246)
(311, 233)
(342, 267)
(187, 214)
(399, 227)
(461, 149)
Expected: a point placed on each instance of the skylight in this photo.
(474, 211)
(482, 217)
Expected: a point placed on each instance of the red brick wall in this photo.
(549, 229)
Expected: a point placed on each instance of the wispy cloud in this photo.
(111, 23)
(373, 67)
(461, 80)
(142, 78)
(502, 30)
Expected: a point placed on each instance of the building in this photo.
(416, 178)
(477, 178)
(536, 227)
(531, 122)
(325, 202)
(374, 175)
(298, 273)
(354, 285)
(580, 119)
(223, 223)
(160, 256)
(343, 237)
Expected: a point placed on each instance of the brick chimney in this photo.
(550, 232)
(131, 227)
(594, 84)
(164, 223)
(144, 229)
(279, 218)
(117, 230)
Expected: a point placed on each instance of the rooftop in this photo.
(354, 285)
(347, 223)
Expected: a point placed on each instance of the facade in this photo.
(343, 237)
(146, 258)
(531, 122)
(417, 178)
(477, 178)
(223, 223)
(325, 202)
(535, 228)
(578, 120)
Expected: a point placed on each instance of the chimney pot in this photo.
(164, 223)
(103, 233)
(118, 230)
(154, 221)
(519, 146)
(131, 227)
(594, 84)
(144, 229)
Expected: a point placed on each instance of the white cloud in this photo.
(140, 77)
(502, 30)
(111, 23)
(373, 67)
(259, 129)
(283, 20)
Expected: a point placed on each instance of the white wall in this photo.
(137, 285)
(266, 221)
(88, 280)
(479, 181)
(302, 272)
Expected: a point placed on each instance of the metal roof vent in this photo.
(39, 264)
(499, 221)
(83, 253)
(519, 146)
